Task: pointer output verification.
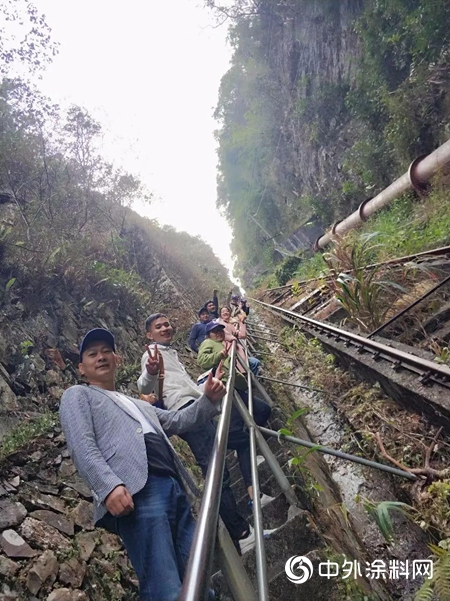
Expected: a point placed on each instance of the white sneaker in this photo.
(266, 499)
(259, 459)
(246, 544)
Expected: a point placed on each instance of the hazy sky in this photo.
(150, 72)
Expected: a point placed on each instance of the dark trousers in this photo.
(239, 438)
(201, 443)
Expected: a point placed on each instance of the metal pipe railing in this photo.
(233, 570)
(260, 551)
(268, 455)
(257, 384)
(198, 572)
(340, 454)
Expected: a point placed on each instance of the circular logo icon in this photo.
(298, 569)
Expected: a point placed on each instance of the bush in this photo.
(287, 269)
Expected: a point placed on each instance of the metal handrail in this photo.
(198, 572)
(260, 551)
(327, 451)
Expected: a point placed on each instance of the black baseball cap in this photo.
(97, 335)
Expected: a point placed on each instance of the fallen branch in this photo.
(426, 471)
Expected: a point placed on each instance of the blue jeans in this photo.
(157, 536)
(254, 364)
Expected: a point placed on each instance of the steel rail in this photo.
(409, 307)
(198, 571)
(427, 370)
(327, 451)
(443, 250)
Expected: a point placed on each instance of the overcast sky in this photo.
(150, 72)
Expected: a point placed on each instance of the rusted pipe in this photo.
(419, 173)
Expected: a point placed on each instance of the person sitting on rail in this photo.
(121, 449)
(238, 330)
(212, 352)
(212, 306)
(180, 392)
(198, 333)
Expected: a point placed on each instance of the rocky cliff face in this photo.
(282, 107)
(316, 55)
(38, 346)
(48, 546)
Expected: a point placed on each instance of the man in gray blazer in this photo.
(121, 449)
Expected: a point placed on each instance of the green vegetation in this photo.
(299, 137)
(381, 514)
(26, 432)
(66, 213)
(438, 586)
(403, 228)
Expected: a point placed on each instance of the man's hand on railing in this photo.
(214, 389)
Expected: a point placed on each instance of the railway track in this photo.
(322, 293)
(416, 382)
(427, 371)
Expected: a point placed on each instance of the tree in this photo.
(25, 38)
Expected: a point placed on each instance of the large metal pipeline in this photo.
(418, 175)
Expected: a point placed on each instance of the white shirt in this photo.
(178, 388)
(134, 409)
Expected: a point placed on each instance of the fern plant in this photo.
(437, 587)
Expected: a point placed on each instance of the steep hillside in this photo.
(324, 105)
(73, 255)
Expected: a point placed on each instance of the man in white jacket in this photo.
(179, 392)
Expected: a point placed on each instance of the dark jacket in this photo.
(197, 335)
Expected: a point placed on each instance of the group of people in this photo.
(120, 445)
(231, 316)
